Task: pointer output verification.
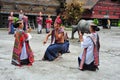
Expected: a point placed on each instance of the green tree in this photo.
(119, 23)
(96, 21)
(73, 12)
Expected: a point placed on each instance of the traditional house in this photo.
(107, 9)
(102, 10)
(31, 8)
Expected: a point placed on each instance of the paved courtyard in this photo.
(65, 68)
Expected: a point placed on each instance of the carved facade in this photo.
(100, 9)
(107, 9)
(31, 8)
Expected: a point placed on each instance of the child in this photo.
(22, 53)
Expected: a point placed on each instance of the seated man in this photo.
(66, 44)
(65, 47)
(57, 41)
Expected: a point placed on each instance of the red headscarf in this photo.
(58, 20)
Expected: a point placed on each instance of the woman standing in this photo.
(22, 53)
(48, 24)
(10, 25)
(25, 22)
(39, 22)
(21, 14)
(89, 59)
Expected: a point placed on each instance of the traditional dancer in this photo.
(48, 24)
(39, 22)
(22, 53)
(53, 50)
(11, 23)
(25, 21)
(89, 59)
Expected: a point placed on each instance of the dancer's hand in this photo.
(29, 29)
(44, 42)
(80, 36)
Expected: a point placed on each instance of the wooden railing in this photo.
(52, 3)
(110, 8)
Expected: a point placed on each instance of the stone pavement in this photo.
(66, 68)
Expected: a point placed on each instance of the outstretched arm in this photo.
(80, 36)
(45, 41)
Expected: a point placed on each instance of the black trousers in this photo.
(90, 67)
(24, 62)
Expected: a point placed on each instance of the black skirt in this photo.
(24, 62)
(90, 66)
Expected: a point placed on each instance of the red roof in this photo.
(89, 3)
(105, 16)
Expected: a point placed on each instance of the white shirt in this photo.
(21, 16)
(24, 54)
(29, 36)
(87, 43)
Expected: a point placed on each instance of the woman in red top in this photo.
(48, 24)
(39, 22)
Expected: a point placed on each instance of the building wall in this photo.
(104, 9)
(107, 10)
(31, 8)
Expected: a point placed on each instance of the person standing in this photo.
(89, 58)
(22, 52)
(11, 23)
(23, 17)
(39, 22)
(21, 14)
(48, 24)
(25, 21)
(108, 21)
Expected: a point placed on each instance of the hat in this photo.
(16, 24)
(58, 20)
(19, 21)
(95, 27)
(92, 24)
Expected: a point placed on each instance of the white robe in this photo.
(87, 43)
(24, 54)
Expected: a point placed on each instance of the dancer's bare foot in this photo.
(58, 58)
(59, 54)
(43, 59)
(30, 64)
(19, 65)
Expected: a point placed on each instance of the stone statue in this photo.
(83, 26)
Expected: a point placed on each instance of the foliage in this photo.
(119, 23)
(15, 19)
(73, 12)
(96, 21)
